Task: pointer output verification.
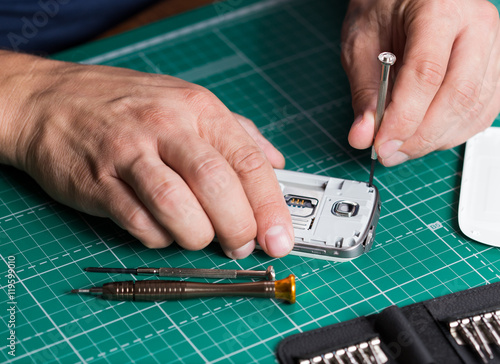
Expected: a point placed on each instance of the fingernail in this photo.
(389, 148)
(278, 242)
(369, 117)
(357, 121)
(243, 251)
(395, 159)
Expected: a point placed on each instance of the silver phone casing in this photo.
(326, 230)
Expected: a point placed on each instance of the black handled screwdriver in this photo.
(161, 290)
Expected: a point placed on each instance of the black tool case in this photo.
(419, 333)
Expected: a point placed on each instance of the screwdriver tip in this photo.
(94, 269)
(110, 270)
(80, 291)
(372, 173)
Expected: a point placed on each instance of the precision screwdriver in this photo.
(387, 59)
(161, 290)
(268, 274)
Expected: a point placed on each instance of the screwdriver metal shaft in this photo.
(268, 274)
(387, 59)
(160, 290)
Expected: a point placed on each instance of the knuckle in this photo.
(249, 160)
(353, 44)
(476, 112)
(423, 144)
(429, 72)
(214, 176)
(408, 118)
(364, 94)
(96, 184)
(146, 112)
(210, 169)
(465, 100)
(121, 106)
(346, 48)
(200, 99)
(167, 195)
(207, 108)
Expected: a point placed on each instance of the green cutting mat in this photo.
(276, 62)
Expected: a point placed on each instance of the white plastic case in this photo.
(479, 206)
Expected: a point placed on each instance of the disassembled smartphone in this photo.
(333, 218)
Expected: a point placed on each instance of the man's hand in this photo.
(163, 158)
(447, 84)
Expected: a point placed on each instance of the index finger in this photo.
(255, 172)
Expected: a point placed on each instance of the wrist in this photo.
(20, 83)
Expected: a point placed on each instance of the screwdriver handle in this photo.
(160, 290)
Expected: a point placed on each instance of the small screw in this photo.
(387, 58)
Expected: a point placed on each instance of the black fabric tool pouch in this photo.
(419, 333)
